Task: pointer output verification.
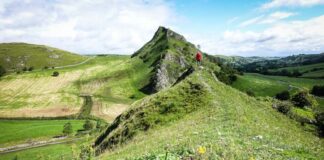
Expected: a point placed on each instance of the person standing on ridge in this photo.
(199, 58)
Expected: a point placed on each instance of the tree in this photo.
(296, 73)
(284, 95)
(2, 71)
(67, 129)
(303, 99)
(88, 125)
(55, 74)
(318, 90)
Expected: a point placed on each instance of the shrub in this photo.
(284, 107)
(250, 93)
(2, 71)
(25, 69)
(31, 68)
(318, 90)
(46, 67)
(67, 129)
(88, 125)
(284, 95)
(303, 99)
(320, 122)
(55, 74)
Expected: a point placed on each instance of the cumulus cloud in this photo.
(280, 39)
(272, 18)
(291, 3)
(101, 26)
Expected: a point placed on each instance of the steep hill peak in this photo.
(170, 55)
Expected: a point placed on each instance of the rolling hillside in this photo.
(16, 56)
(198, 117)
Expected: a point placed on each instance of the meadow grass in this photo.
(20, 131)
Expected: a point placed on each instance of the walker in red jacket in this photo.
(198, 58)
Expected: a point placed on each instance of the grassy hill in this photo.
(16, 56)
(198, 111)
(225, 121)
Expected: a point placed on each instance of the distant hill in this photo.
(238, 61)
(290, 61)
(16, 56)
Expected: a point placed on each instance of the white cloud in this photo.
(272, 18)
(291, 3)
(101, 26)
(284, 38)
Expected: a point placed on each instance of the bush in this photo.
(303, 99)
(284, 95)
(2, 71)
(284, 107)
(318, 90)
(250, 93)
(31, 68)
(67, 129)
(25, 69)
(88, 125)
(46, 67)
(55, 74)
(320, 122)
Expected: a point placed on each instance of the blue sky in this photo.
(228, 27)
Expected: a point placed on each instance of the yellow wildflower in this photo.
(201, 150)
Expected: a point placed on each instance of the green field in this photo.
(21, 131)
(15, 56)
(263, 85)
(308, 71)
(57, 151)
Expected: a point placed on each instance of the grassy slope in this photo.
(38, 56)
(227, 127)
(263, 85)
(20, 131)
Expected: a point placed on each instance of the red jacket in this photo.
(198, 56)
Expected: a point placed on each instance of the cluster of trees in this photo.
(87, 126)
(283, 72)
(227, 74)
(301, 99)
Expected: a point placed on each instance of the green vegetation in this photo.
(55, 74)
(67, 129)
(19, 131)
(16, 56)
(318, 90)
(284, 95)
(88, 125)
(2, 71)
(304, 99)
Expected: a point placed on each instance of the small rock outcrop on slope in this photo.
(170, 55)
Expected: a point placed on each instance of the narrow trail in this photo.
(36, 144)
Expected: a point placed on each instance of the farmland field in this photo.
(21, 131)
(38, 94)
(308, 71)
(263, 85)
